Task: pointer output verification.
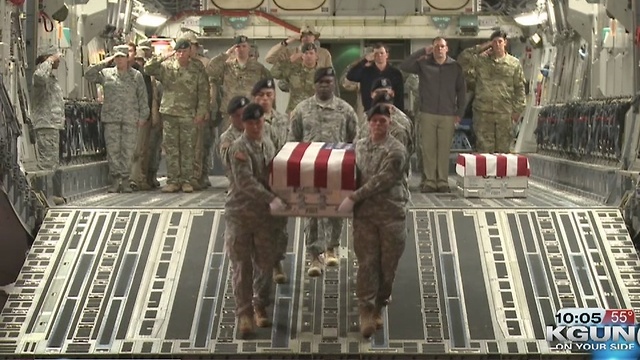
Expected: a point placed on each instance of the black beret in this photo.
(236, 103)
(240, 39)
(252, 112)
(182, 44)
(498, 33)
(263, 84)
(382, 98)
(322, 72)
(308, 46)
(380, 83)
(380, 109)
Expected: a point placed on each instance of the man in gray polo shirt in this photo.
(442, 92)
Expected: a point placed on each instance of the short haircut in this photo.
(132, 44)
(438, 38)
(380, 45)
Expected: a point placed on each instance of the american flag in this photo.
(314, 165)
(496, 165)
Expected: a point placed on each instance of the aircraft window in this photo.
(237, 4)
(299, 4)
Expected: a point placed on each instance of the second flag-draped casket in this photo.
(493, 175)
(313, 178)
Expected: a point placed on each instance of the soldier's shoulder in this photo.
(395, 146)
(238, 150)
(343, 105)
(361, 142)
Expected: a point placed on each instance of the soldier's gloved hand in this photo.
(346, 206)
(277, 204)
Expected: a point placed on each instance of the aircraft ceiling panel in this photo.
(381, 8)
(237, 4)
(448, 5)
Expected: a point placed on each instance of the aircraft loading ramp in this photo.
(478, 278)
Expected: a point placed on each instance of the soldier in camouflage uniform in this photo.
(47, 110)
(498, 81)
(248, 222)
(124, 110)
(235, 77)
(205, 133)
(379, 217)
(282, 51)
(412, 107)
(299, 74)
(401, 127)
(323, 118)
(235, 130)
(185, 103)
(352, 86)
(264, 94)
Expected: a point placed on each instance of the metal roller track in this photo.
(155, 283)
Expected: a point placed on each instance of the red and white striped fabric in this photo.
(314, 165)
(497, 165)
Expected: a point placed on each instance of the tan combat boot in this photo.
(331, 257)
(171, 188)
(315, 269)
(115, 184)
(367, 323)
(187, 188)
(245, 325)
(279, 276)
(126, 185)
(260, 317)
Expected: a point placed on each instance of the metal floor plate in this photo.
(155, 283)
(540, 196)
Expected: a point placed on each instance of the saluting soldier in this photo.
(323, 117)
(379, 216)
(298, 74)
(248, 222)
(185, 103)
(235, 76)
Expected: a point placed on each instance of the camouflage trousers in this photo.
(378, 244)
(48, 148)
(202, 151)
(140, 161)
(251, 251)
(120, 140)
(418, 149)
(436, 133)
(179, 146)
(493, 132)
(154, 151)
(322, 234)
(281, 236)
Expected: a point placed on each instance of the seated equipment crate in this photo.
(313, 178)
(493, 175)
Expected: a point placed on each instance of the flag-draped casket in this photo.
(493, 175)
(313, 178)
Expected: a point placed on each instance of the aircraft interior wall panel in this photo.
(610, 77)
(443, 7)
(235, 4)
(377, 8)
(302, 7)
(627, 80)
(157, 281)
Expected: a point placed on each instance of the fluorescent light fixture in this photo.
(151, 20)
(531, 19)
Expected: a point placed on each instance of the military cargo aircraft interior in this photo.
(326, 179)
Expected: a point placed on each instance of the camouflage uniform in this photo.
(248, 225)
(412, 105)
(282, 52)
(234, 79)
(352, 86)
(499, 93)
(300, 78)
(185, 96)
(125, 105)
(333, 122)
(400, 128)
(47, 114)
(379, 225)
(155, 137)
(226, 140)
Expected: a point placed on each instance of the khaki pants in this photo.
(436, 136)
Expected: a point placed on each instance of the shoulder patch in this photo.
(239, 155)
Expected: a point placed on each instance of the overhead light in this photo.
(151, 20)
(531, 19)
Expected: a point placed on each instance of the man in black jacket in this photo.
(373, 66)
(442, 92)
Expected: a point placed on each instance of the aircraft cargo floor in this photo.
(144, 275)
